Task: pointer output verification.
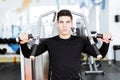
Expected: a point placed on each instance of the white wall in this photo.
(114, 28)
(107, 23)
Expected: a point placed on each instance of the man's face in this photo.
(64, 25)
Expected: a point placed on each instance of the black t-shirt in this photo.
(64, 55)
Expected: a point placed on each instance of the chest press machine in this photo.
(83, 31)
(81, 27)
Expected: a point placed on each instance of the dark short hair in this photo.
(64, 12)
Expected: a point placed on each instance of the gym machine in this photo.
(37, 65)
(83, 31)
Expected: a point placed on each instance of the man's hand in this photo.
(32, 58)
(24, 38)
(106, 37)
(99, 57)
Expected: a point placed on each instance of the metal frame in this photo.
(34, 63)
(91, 61)
(93, 67)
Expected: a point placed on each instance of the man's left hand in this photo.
(106, 37)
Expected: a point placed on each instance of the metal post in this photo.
(37, 41)
(22, 66)
(33, 69)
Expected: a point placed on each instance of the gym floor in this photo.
(11, 71)
(111, 72)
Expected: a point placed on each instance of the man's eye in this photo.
(61, 21)
(68, 22)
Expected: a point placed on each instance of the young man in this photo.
(65, 49)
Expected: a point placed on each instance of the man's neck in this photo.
(64, 36)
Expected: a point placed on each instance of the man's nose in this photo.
(64, 25)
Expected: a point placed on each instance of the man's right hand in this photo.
(24, 38)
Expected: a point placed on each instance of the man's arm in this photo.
(104, 48)
(26, 51)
